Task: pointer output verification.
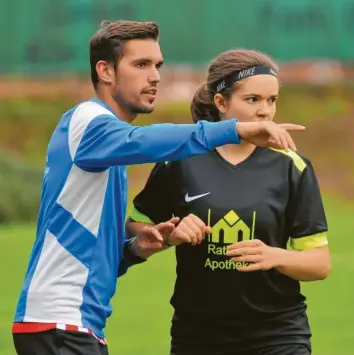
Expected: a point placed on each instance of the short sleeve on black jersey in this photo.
(153, 203)
(305, 215)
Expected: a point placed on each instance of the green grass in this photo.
(141, 317)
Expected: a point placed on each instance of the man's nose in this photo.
(154, 76)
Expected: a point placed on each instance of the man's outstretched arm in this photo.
(99, 140)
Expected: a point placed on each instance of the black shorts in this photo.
(291, 349)
(286, 333)
(58, 342)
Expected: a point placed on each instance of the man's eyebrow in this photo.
(147, 60)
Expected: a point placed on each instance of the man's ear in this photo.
(105, 72)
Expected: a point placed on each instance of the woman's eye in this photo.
(251, 100)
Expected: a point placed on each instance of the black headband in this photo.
(230, 79)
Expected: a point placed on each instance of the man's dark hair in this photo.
(107, 43)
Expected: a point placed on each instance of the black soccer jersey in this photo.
(272, 196)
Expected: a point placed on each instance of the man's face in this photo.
(137, 76)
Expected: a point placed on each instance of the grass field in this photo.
(141, 318)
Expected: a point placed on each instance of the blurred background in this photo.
(44, 70)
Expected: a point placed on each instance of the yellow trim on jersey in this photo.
(137, 216)
(253, 224)
(309, 242)
(298, 161)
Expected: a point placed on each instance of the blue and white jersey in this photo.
(78, 252)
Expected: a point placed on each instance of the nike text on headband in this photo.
(229, 80)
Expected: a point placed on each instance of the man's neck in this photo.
(119, 110)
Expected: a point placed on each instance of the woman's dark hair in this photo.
(203, 106)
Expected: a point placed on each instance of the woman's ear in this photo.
(220, 103)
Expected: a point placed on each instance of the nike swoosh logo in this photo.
(192, 198)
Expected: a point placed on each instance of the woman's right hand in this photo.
(191, 230)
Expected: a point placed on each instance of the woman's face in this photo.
(253, 99)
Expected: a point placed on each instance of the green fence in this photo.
(48, 37)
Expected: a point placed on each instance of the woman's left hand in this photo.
(259, 255)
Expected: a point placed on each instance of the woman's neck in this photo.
(236, 153)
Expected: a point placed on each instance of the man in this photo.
(80, 247)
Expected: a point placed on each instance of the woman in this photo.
(238, 291)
